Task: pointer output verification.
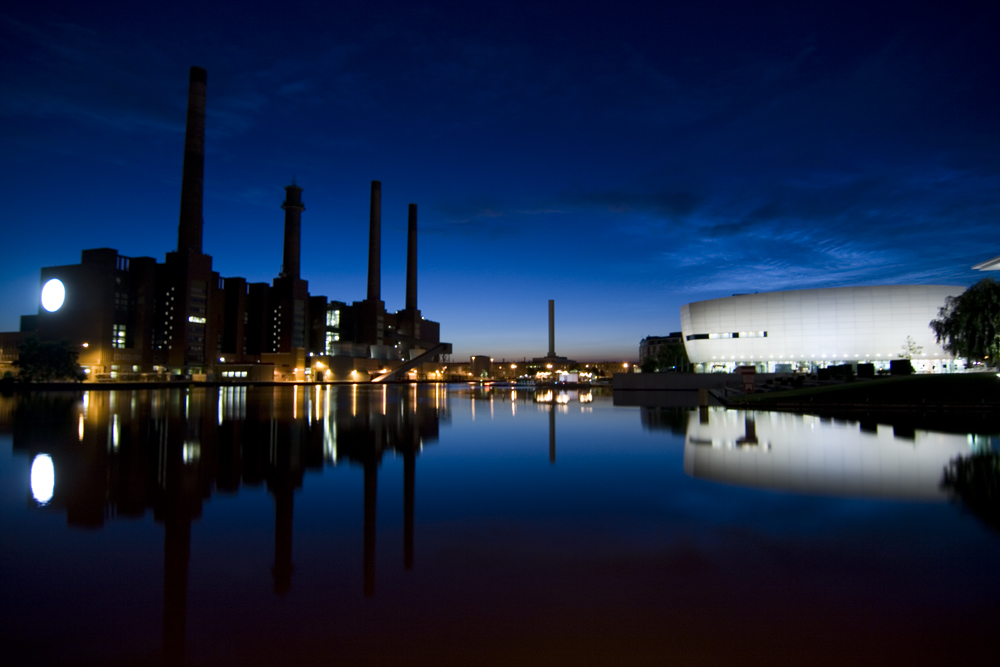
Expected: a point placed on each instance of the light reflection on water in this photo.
(447, 507)
(805, 454)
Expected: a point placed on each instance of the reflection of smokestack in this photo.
(283, 515)
(193, 178)
(371, 483)
(375, 244)
(552, 328)
(293, 208)
(411, 260)
(409, 477)
(176, 555)
(552, 431)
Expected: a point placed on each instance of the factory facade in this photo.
(803, 330)
(134, 317)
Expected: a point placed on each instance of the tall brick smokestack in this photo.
(193, 179)
(411, 260)
(552, 328)
(293, 208)
(375, 244)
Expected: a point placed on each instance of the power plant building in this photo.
(134, 315)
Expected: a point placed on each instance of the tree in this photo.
(911, 349)
(969, 324)
(671, 357)
(47, 362)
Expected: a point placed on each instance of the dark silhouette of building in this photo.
(133, 317)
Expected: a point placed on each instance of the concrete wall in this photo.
(677, 381)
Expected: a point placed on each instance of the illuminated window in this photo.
(118, 335)
(333, 318)
(331, 338)
(727, 334)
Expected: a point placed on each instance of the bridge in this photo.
(440, 348)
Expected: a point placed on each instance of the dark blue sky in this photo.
(620, 160)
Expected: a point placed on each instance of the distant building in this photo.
(481, 366)
(651, 346)
(803, 330)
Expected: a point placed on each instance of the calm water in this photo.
(450, 525)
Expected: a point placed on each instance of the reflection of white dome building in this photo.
(806, 454)
(808, 329)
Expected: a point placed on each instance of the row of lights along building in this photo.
(134, 317)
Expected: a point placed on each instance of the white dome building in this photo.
(808, 329)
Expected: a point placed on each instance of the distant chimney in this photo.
(193, 178)
(552, 328)
(411, 260)
(375, 244)
(293, 208)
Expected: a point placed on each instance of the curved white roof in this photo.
(822, 325)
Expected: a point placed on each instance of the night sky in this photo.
(622, 160)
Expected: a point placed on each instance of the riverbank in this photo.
(969, 391)
(950, 403)
(20, 387)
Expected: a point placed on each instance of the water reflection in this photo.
(551, 400)
(813, 455)
(616, 543)
(975, 480)
(113, 453)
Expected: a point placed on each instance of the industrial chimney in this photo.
(411, 261)
(552, 329)
(192, 181)
(375, 244)
(293, 208)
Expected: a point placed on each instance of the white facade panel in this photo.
(816, 326)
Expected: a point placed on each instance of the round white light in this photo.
(43, 478)
(53, 295)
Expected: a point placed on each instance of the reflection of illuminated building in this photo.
(109, 454)
(806, 454)
(371, 422)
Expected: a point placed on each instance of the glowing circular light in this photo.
(53, 295)
(43, 478)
